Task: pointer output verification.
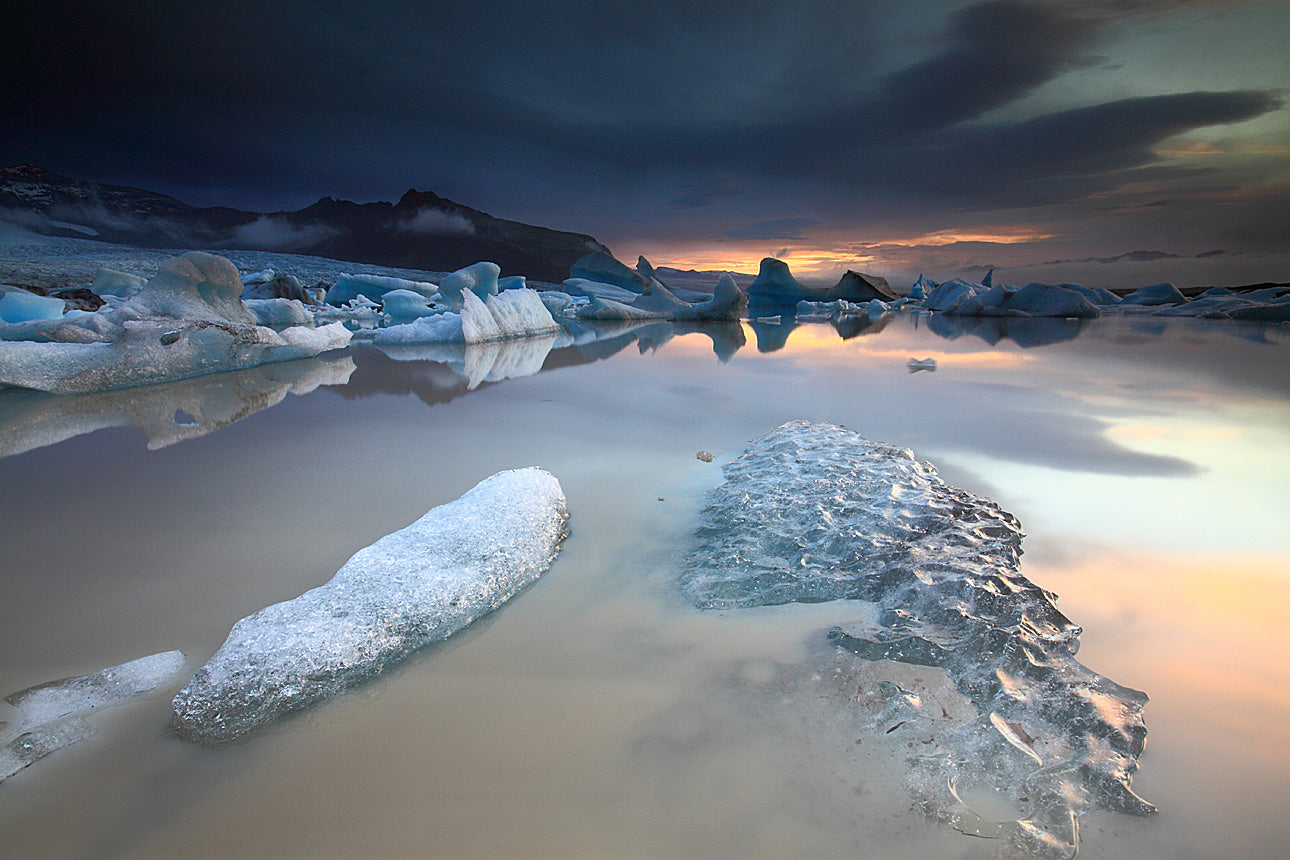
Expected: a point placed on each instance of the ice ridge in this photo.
(814, 513)
(412, 587)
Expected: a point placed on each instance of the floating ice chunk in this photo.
(727, 303)
(512, 282)
(373, 287)
(49, 714)
(152, 351)
(1155, 294)
(279, 312)
(261, 277)
(1037, 300)
(195, 286)
(406, 305)
(18, 306)
(512, 314)
(921, 289)
(559, 304)
(917, 364)
(109, 282)
(521, 313)
(440, 328)
(1095, 295)
(813, 512)
(602, 268)
(598, 290)
(775, 286)
(414, 586)
(480, 279)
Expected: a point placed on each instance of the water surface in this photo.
(600, 714)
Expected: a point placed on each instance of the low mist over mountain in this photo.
(421, 231)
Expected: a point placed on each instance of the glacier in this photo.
(928, 574)
(50, 715)
(415, 586)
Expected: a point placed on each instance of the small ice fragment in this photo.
(704, 456)
(50, 714)
(917, 364)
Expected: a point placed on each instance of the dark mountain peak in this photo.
(414, 199)
(422, 231)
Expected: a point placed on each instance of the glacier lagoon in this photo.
(600, 712)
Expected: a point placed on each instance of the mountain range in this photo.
(420, 231)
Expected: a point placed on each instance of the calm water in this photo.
(597, 715)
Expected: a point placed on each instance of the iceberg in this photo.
(406, 305)
(775, 286)
(964, 298)
(18, 306)
(929, 575)
(109, 282)
(602, 268)
(372, 287)
(1155, 294)
(412, 587)
(50, 715)
(279, 313)
(189, 320)
(152, 351)
(500, 316)
(480, 279)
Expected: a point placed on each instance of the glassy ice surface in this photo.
(49, 714)
(603, 714)
(814, 512)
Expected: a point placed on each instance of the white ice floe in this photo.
(50, 715)
(412, 587)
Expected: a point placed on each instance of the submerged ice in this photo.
(412, 587)
(814, 512)
(50, 715)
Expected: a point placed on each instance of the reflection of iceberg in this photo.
(814, 513)
(1026, 332)
(480, 362)
(412, 587)
(50, 715)
(166, 413)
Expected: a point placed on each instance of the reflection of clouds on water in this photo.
(167, 413)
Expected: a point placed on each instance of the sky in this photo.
(1115, 143)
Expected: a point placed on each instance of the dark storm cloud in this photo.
(579, 114)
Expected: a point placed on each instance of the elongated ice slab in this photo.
(415, 586)
(49, 715)
(814, 512)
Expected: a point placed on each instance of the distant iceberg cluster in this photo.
(199, 316)
(929, 575)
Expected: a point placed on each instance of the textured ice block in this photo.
(412, 587)
(814, 512)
